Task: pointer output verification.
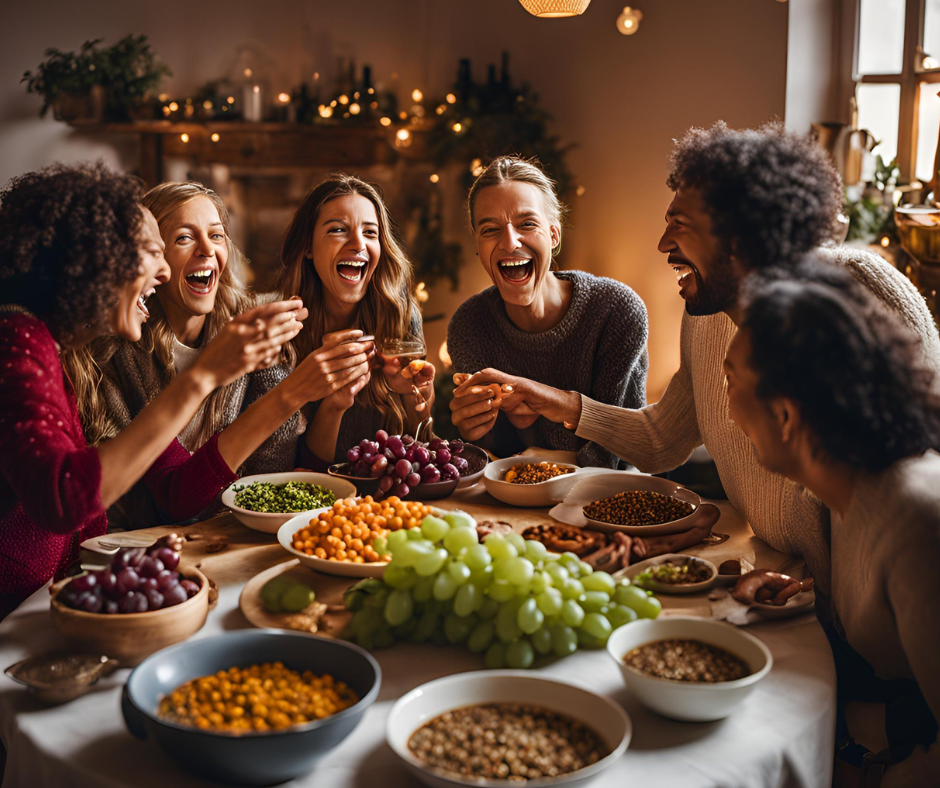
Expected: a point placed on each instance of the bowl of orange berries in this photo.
(339, 539)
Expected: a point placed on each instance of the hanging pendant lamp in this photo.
(555, 8)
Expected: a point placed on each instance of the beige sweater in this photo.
(886, 587)
(694, 410)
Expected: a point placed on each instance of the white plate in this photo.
(632, 481)
(796, 605)
(429, 700)
(535, 495)
(341, 568)
(665, 588)
(269, 523)
(285, 535)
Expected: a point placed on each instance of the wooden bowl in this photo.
(129, 637)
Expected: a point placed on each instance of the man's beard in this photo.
(718, 294)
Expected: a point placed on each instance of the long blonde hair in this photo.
(84, 365)
(387, 306)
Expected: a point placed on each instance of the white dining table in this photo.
(780, 737)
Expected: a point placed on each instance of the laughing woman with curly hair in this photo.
(79, 257)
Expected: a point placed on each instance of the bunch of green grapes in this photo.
(507, 598)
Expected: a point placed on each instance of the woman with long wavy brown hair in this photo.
(256, 417)
(342, 257)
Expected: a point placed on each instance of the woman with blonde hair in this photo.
(567, 329)
(343, 259)
(255, 420)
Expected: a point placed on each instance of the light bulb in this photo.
(215, 137)
(416, 95)
(629, 20)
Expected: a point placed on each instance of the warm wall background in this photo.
(621, 99)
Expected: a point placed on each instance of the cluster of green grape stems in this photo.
(507, 598)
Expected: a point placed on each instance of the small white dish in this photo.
(656, 587)
(531, 496)
(796, 605)
(685, 700)
(632, 481)
(270, 522)
(285, 536)
(430, 700)
(478, 459)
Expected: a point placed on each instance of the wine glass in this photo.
(919, 232)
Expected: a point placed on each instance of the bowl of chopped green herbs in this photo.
(266, 501)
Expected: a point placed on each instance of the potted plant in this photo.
(70, 83)
(95, 83)
(132, 72)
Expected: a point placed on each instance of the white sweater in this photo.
(694, 410)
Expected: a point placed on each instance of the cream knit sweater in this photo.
(694, 410)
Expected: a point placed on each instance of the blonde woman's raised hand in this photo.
(250, 341)
(341, 360)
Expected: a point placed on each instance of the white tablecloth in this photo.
(782, 737)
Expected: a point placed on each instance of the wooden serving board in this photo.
(318, 617)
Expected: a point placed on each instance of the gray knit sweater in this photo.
(598, 348)
(694, 410)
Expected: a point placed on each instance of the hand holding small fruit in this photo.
(334, 367)
(413, 379)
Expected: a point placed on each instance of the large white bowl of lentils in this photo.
(440, 708)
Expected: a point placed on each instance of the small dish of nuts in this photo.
(496, 728)
(530, 481)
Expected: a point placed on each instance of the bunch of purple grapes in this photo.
(137, 580)
(401, 463)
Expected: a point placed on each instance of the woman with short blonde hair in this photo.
(567, 329)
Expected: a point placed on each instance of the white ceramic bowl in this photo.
(632, 481)
(633, 570)
(429, 700)
(269, 523)
(685, 700)
(544, 493)
(285, 536)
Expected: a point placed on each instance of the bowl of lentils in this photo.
(266, 501)
(644, 506)
(529, 481)
(689, 669)
(495, 728)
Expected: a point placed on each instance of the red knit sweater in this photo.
(50, 480)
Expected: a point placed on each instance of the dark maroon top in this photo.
(50, 480)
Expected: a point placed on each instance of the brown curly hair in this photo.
(68, 242)
(772, 195)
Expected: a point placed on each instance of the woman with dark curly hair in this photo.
(831, 390)
(79, 257)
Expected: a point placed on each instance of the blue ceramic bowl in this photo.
(251, 758)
